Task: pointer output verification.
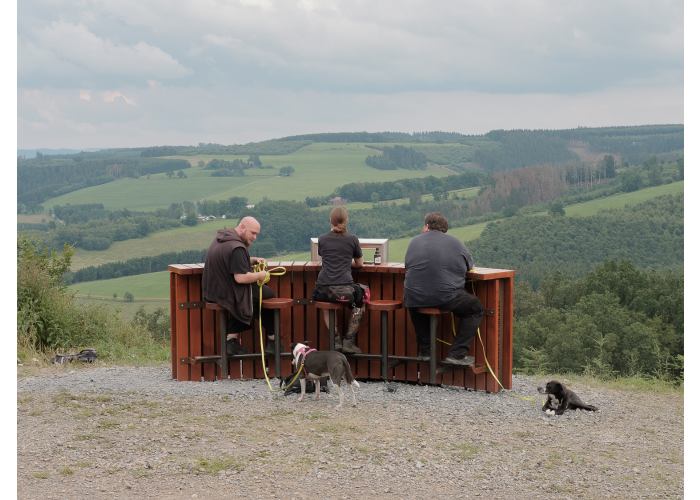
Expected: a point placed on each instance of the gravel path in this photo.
(127, 432)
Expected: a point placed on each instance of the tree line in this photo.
(403, 188)
(41, 178)
(395, 157)
(615, 320)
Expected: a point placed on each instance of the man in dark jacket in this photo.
(229, 280)
(436, 270)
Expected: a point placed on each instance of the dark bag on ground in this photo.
(296, 386)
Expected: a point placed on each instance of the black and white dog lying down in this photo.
(319, 364)
(296, 386)
(560, 398)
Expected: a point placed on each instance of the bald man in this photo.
(229, 280)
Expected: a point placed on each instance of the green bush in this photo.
(48, 319)
(616, 321)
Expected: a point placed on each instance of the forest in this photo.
(616, 320)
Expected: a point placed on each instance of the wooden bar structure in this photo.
(194, 335)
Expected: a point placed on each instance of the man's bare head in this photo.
(248, 229)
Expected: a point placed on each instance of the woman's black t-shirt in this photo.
(337, 251)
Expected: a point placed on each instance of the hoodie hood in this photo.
(227, 235)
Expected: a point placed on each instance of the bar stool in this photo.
(384, 306)
(221, 321)
(331, 307)
(434, 314)
(276, 304)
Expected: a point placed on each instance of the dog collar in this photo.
(301, 356)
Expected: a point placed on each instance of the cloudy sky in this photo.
(105, 73)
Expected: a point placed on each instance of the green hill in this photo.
(199, 237)
(318, 169)
(531, 245)
(649, 234)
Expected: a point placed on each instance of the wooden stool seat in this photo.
(384, 305)
(213, 306)
(277, 303)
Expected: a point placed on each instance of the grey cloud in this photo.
(73, 53)
(382, 46)
(235, 71)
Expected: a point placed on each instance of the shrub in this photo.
(48, 319)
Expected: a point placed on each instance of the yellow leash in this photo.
(483, 348)
(275, 271)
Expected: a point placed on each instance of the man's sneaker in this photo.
(465, 361)
(233, 347)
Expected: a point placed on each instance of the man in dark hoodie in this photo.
(229, 280)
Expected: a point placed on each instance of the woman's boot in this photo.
(349, 344)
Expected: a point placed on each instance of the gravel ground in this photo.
(126, 432)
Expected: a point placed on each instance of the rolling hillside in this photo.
(199, 237)
(156, 285)
(318, 169)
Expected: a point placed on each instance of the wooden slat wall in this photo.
(193, 329)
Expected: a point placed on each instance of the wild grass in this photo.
(629, 383)
(215, 465)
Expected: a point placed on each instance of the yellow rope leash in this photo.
(275, 271)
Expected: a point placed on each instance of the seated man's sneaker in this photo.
(465, 361)
(424, 354)
(233, 347)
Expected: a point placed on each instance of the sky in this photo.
(129, 73)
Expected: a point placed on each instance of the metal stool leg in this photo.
(331, 329)
(433, 348)
(223, 359)
(385, 347)
(277, 344)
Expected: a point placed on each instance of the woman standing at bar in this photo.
(340, 252)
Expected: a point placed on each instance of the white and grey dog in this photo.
(318, 364)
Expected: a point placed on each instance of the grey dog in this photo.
(319, 364)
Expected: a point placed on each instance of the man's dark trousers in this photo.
(268, 318)
(468, 310)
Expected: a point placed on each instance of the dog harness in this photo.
(301, 356)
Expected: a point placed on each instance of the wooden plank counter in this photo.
(193, 327)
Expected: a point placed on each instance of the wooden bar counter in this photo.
(193, 327)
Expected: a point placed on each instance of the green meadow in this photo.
(172, 240)
(144, 287)
(318, 169)
(188, 238)
(199, 237)
(152, 286)
(621, 199)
